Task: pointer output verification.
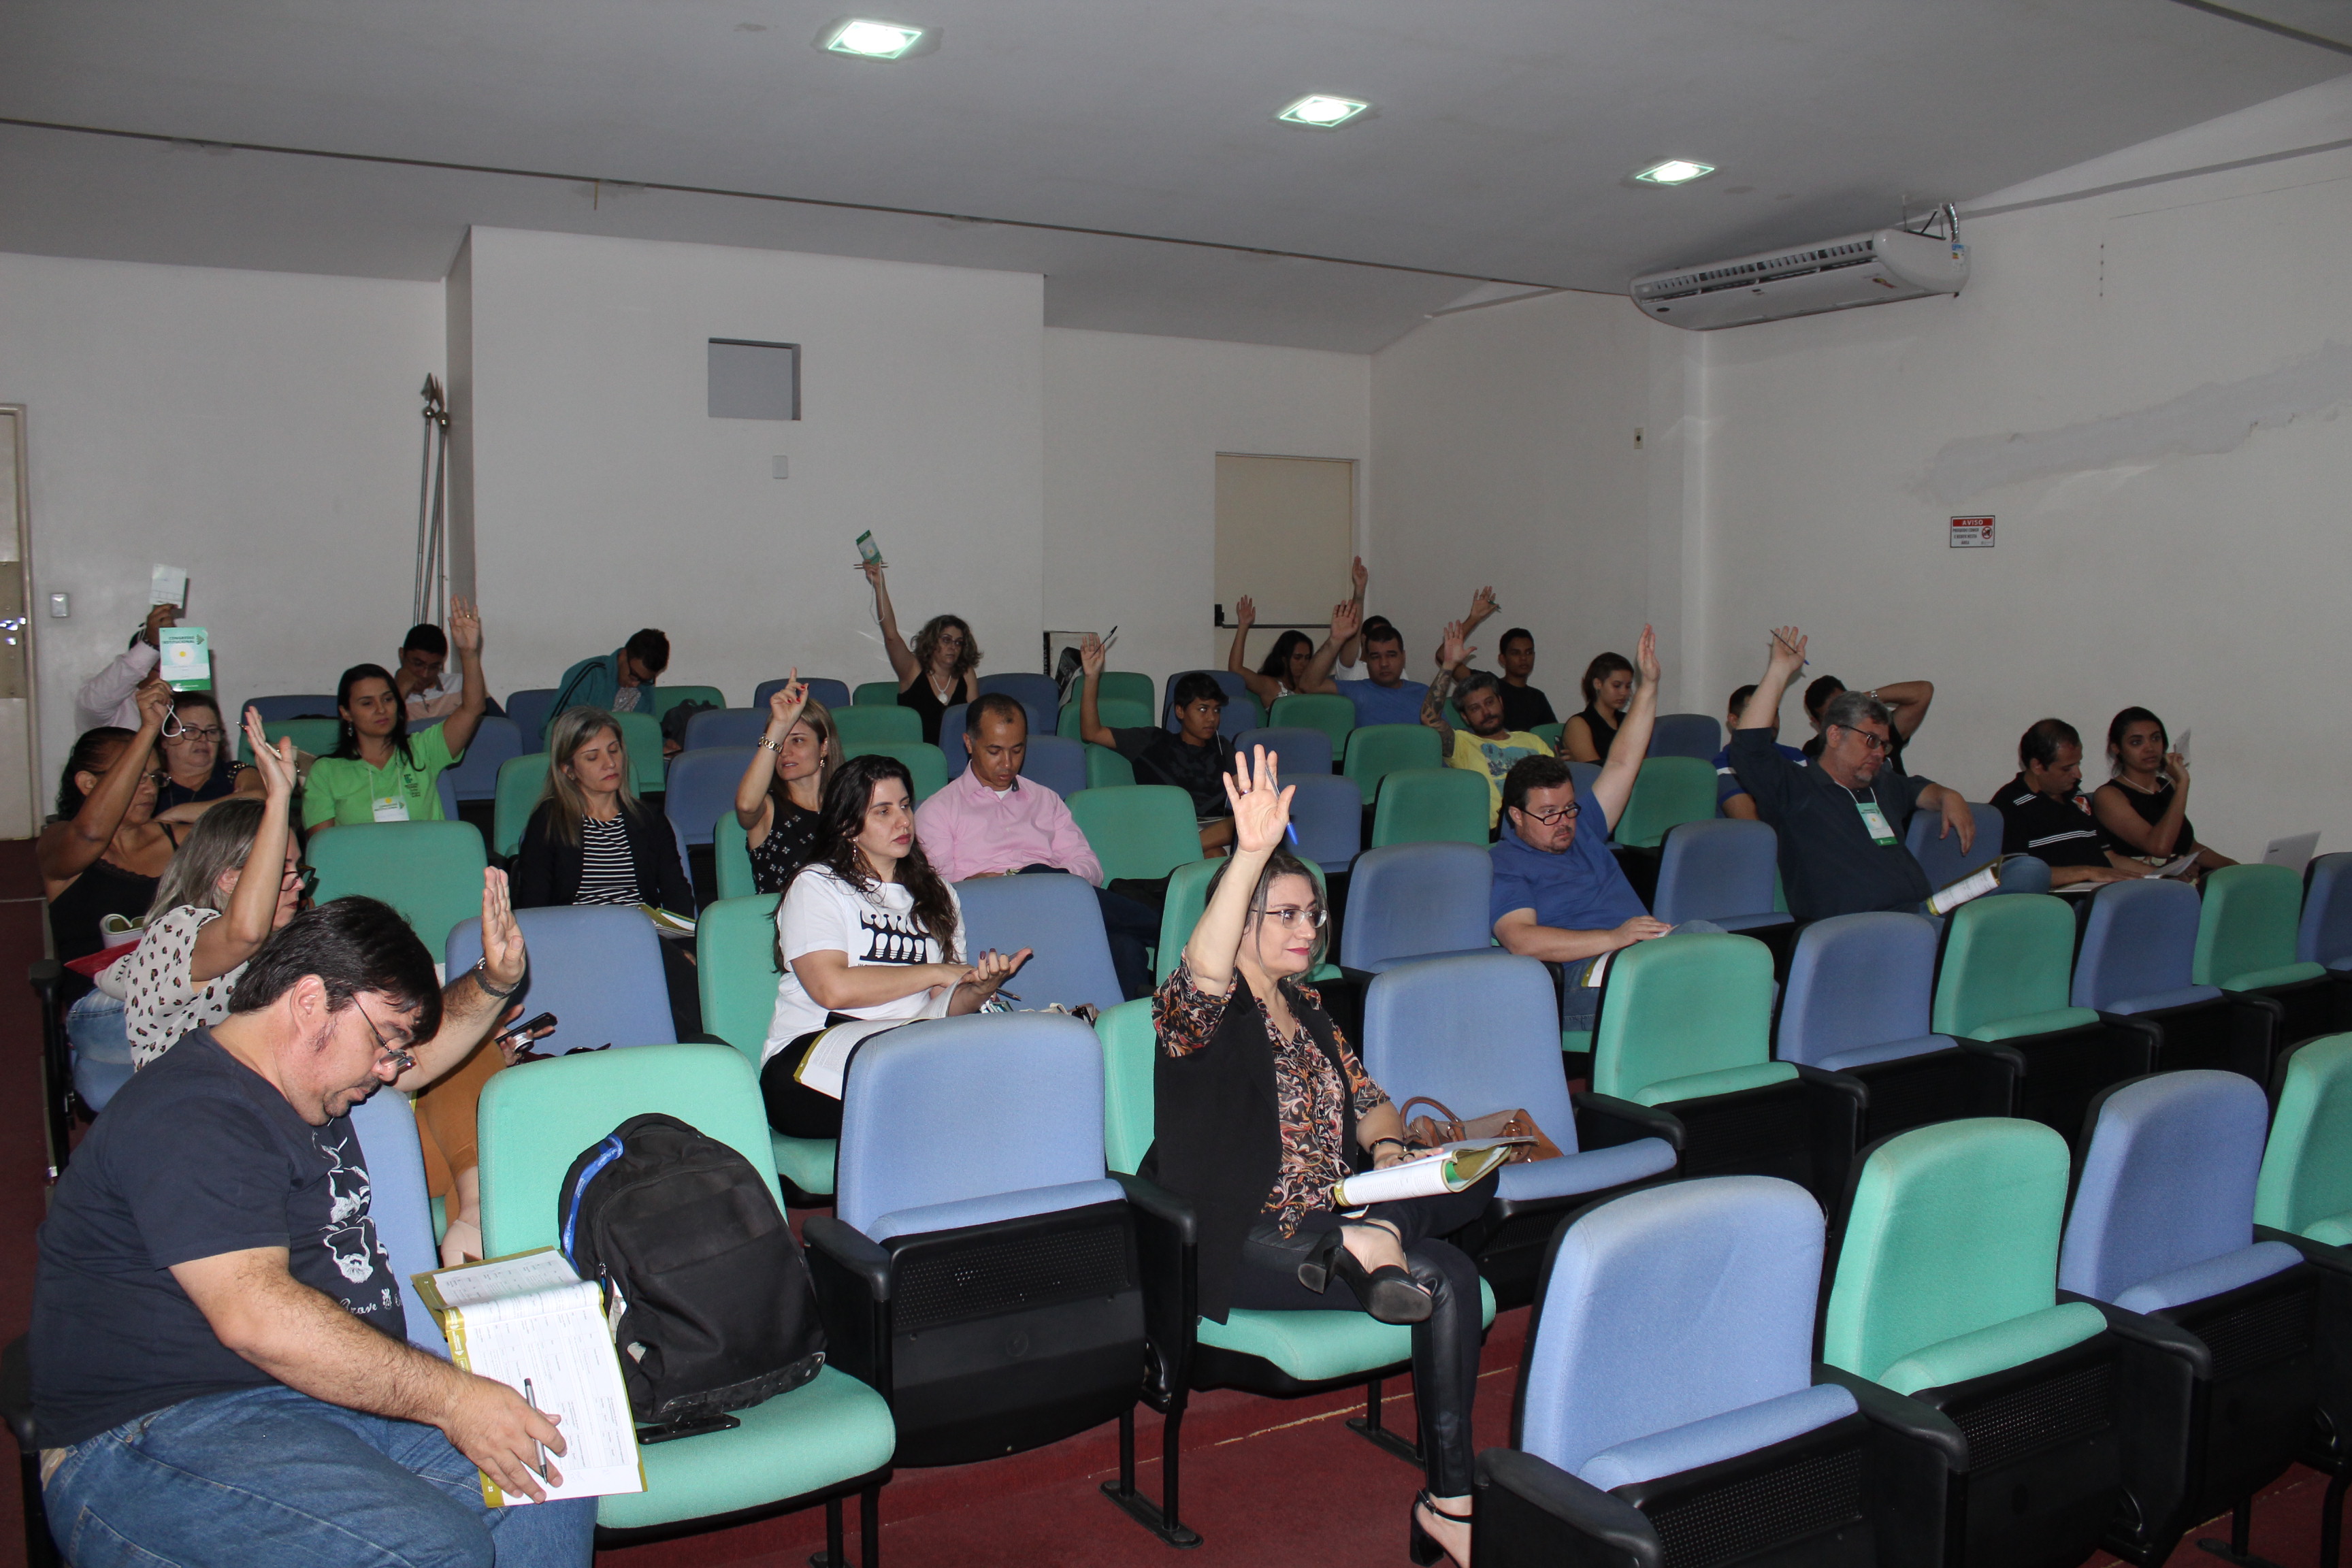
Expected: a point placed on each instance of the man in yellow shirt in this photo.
(1486, 745)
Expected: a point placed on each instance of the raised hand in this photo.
(1091, 657)
(873, 570)
(1645, 656)
(1788, 650)
(275, 763)
(1261, 811)
(1346, 620)
(465, 626)
(158, 617)
(1358, 576)
(1245, 613)
(785, 704)
(503, 958)
(2176, 766)
(154, 700)
(1482, 605)
(1452, 653)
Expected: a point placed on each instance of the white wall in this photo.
(606, 500)
(2143, 389)
(259, 429)
(1504, 441)
(1133, 425)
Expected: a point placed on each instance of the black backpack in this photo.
(705, 1287)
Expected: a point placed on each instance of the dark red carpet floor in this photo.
(1250, 1463)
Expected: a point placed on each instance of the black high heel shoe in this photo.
(1389, 1294)
(1426, 1552)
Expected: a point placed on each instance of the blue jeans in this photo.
(266, 1477)
(98, 1036)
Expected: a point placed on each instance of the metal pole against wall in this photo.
(430, 601)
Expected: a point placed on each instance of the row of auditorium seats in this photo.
(1959, 1366)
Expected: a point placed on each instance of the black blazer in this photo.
(547, 870)
(1215, 1140)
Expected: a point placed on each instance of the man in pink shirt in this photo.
(992, 822)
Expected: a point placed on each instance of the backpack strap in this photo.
(606, 1152)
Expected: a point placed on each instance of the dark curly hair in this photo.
(926, 643)
(94, 752)
(845, 800)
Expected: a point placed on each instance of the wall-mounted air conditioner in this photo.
(1806, 279)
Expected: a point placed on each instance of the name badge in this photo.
(390, 808)
(1875, 820)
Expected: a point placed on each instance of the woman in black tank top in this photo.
(103, 853)
(2144, 809)
(940, 670)
(1608, 687)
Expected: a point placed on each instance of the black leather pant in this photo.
(1444, 1347)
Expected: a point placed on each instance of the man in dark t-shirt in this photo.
(1841, 820)
(2043, 812)
(219, 1366)
(1192, 757)
(1524, 706)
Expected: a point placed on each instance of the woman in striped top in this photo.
(591, 841)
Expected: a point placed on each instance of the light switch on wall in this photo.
(777, 466)
(61, 605)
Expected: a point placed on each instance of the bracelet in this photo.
(481, 973)
(771, 745)
(1398, 1141)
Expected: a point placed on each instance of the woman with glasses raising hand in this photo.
(1261, 1107)
(235, 881)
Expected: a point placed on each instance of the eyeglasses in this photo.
(400, 1057)
(1564, 814)
(212, 733)
(1312, 916)
(1869, 740)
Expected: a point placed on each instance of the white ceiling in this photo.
(1503, 135)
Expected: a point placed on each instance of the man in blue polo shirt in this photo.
(1558, 893)
(1384, 696)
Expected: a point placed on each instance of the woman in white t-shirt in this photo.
(209, 917)
(868, 929)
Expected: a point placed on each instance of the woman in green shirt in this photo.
(380, 773)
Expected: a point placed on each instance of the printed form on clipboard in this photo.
(528, 1320)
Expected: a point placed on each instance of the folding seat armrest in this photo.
(2142, 1334)
(851, 1276)
(1531, 1512)
(1921, 1425)
(2014, 1058)
(46, 975)
(705, 1038)
(1833, 1109)
(1603, 1122)
(1167, 1242)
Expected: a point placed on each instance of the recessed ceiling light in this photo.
(1675, 171)
(1322, 111)
(862, 38)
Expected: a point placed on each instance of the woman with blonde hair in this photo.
(590, 840)
(940, 670)
(780, 801)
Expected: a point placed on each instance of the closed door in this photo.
(1286, 531)
(20, 814)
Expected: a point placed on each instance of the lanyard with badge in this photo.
(1874, 821)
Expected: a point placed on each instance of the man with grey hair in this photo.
(1841, 820)
(1486, 745)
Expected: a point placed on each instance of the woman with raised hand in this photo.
(867, 930)
(1608, 687)
(780, 801)
(103, 852)
(940, 670)
(1261, 1108)
(1283, 672)
(2143, 808)
(198, 767)
(379, 772)
(236, 879)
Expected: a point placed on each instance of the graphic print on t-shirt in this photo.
(350, 1235)
(891, 938)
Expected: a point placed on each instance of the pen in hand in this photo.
(530, 1398)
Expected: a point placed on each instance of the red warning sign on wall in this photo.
(1971, 532)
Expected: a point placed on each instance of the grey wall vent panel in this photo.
(754, 381)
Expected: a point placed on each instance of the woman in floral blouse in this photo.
(1260, 1106)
